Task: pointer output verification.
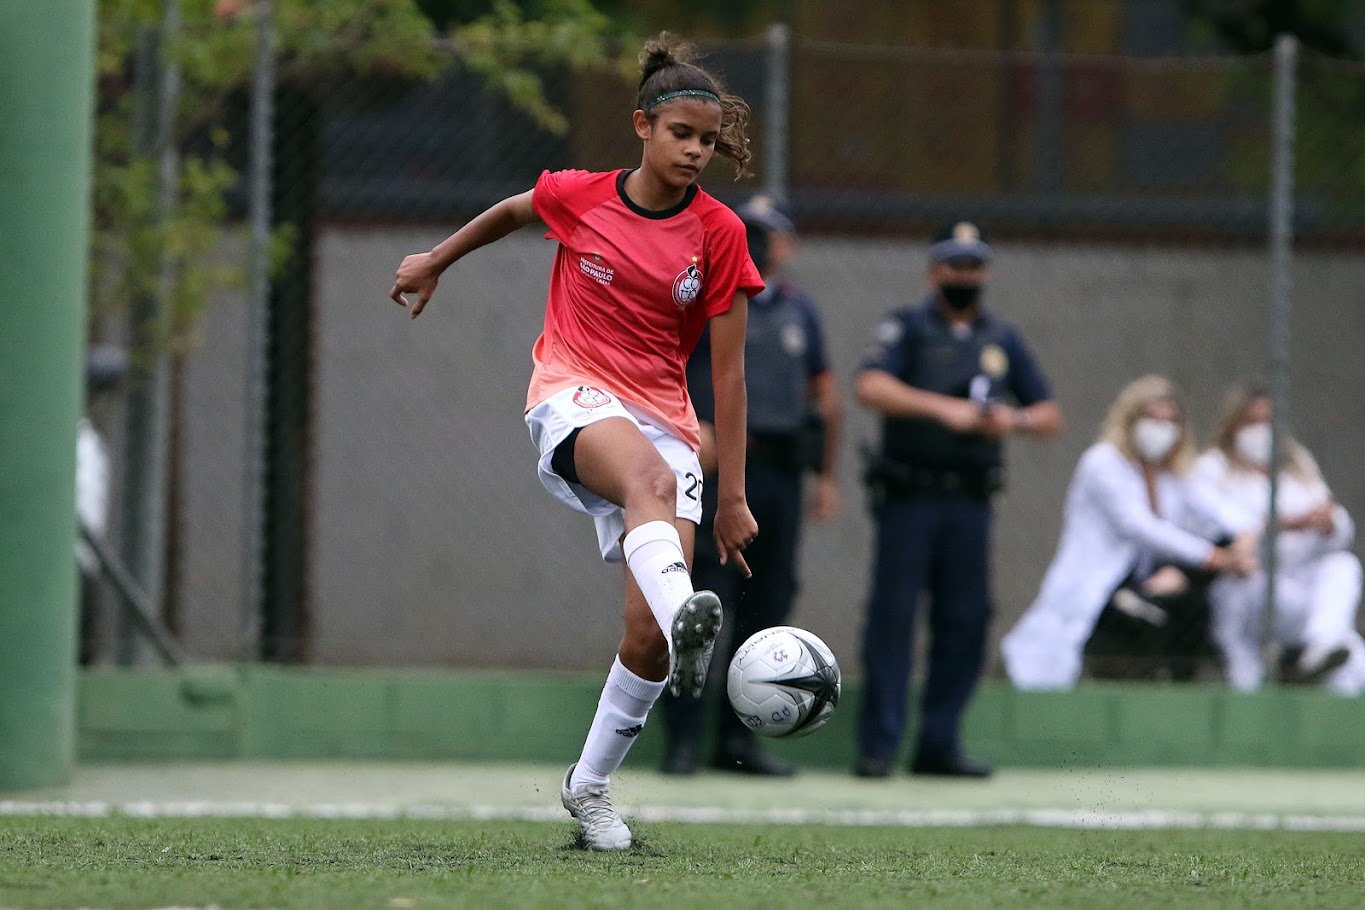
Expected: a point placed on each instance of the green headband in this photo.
(684, 93)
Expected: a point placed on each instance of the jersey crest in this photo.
(687, 286)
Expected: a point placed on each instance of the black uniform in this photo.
(783, 350)
(932, 490)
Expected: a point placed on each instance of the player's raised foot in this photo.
(695, 627)
(591, 805)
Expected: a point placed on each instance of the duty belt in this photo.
(896, 478)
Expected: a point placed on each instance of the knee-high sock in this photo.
(621, 712)
(655, 556)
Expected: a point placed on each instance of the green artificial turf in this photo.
(123, 862)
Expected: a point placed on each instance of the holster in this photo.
(885, 477)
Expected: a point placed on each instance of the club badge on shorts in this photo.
(687, 286)
(585, 396)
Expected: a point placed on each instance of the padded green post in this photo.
(47, 53)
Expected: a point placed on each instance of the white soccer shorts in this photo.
(556, 417)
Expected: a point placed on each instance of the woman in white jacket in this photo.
(1318, 578)
(1129, 510)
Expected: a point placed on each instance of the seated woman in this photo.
(1318, 578)
(1129, 511)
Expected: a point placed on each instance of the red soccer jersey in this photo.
(631, 291)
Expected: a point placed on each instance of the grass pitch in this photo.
(122, 862)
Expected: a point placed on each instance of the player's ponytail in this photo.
(667, 73)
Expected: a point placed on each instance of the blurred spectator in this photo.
(950, 381)
(1128, 537)
(794, 419)
(105, 366)
(1318, 578)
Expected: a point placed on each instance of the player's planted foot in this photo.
(602, 826)
(695, 627)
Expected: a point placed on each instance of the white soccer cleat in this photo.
(695, 627)
(591, 805)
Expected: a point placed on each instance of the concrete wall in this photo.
(435, 544)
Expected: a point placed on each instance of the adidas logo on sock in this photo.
(675, 567)
(631, 732)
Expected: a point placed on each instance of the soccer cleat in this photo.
(591, 805)
(695, 627)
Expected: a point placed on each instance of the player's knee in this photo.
(656, 484)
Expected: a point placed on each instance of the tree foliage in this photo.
(140, 251)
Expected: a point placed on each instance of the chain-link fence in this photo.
(392, 489)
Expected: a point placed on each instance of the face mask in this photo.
(1154, 438)
(960, 296)
(1252, 443)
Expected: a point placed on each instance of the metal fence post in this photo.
(777, 99)
(258, 324)
(1050, 89)
(1281, 290)
(149, 402)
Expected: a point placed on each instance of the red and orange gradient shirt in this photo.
(631, 291)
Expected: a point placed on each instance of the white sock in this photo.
(621, 712)
(655, 556)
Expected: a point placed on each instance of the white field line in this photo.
(932, 818)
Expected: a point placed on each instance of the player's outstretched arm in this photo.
(735, 527)
(419, 273)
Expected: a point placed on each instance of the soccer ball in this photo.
(783, 681)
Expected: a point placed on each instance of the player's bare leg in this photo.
(616, 461)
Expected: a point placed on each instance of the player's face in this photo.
(681, 139)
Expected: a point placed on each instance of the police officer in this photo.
(950, 381)
(794, 423)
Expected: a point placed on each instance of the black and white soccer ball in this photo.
(784, 681)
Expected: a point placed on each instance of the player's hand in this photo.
(417, 274)
(824, 501)
(735, 529)
(961, 416)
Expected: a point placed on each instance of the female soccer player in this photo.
(646, 259)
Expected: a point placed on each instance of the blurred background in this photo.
(297, 473)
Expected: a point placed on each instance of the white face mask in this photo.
(1252, 443)
(1154, 438)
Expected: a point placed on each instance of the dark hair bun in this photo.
(663, 50)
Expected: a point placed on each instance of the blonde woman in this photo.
(1318, 578)
(1129, 510)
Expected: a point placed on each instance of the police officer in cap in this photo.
(951, 381)
(794, 419)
